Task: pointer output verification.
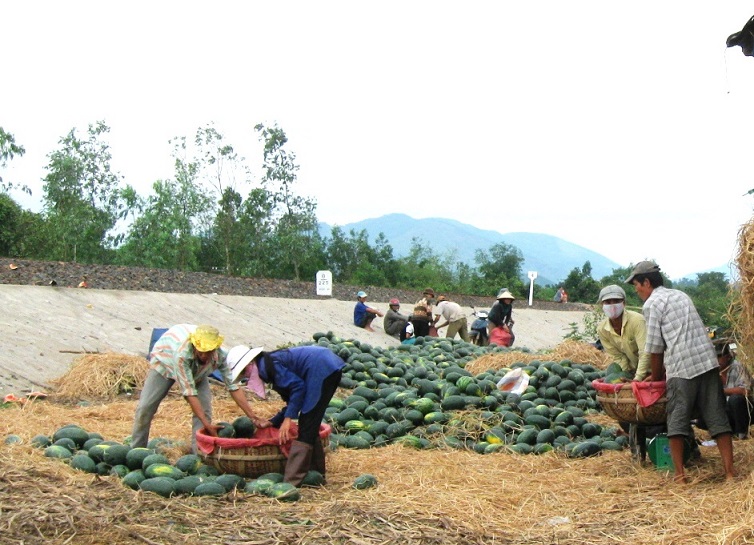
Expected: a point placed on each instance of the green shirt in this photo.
(627, 349)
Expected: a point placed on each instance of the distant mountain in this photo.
(553, 258)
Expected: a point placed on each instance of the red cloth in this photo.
(500, 337)
(648, 393)
(262, 437)
(601, 386)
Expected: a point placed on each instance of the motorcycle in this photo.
(478, 330)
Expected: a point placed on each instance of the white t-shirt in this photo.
(449, 310)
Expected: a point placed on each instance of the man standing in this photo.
(186, 354)
(454, 318)
(681, 353)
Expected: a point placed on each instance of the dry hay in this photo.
(741, 312)
(433, 496)
(576, 351)
(101, 376)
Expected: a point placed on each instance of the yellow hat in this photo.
(206, 338)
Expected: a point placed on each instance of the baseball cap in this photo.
(643, 267)
(361, 294)
(612, 291)
(394, 301)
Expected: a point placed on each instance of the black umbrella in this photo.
(743, 38)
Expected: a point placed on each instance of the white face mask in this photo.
(613, 311)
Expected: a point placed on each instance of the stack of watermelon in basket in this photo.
(250, 456)
(634, 402)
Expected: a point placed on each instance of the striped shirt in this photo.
(675, 329)
(173, 357)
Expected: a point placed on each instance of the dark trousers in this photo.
(739, 414)
(421, 327)
(308, 423)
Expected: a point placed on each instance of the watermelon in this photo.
(284, 492)
(244, 427)
(41, 441)
(82, 462)
(76, 433)
(189, 463)
(364, 481)
(225, 429)
(133, 478)
(116, 455)
(259, 486)
(230, 481)
(153, 459)
(119, 471)
(135, 457)
(313, 478)
(56, 451)
(162, 486)
(188, 484)
(163, 470)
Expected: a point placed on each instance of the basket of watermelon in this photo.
(634, 402)
(250, 457)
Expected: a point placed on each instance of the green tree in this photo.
(8, 150)
(618, 276)
(162, 236)
(82, 198)
(298, 244)
(423, 267)
(581, 286)
(257, 227)
(499, 267)
(10, 216)
(712, 297)
(220, 170)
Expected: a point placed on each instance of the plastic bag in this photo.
(515, 381)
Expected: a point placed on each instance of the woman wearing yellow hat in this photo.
(185, 354)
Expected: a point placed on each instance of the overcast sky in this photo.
(623, 127)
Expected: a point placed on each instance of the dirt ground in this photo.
(45, 328)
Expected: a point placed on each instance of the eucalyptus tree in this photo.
(162, 235)
(297, 241)
(82, 197)
(221, 174)
(8, 150)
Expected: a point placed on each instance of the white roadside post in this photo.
(532, 276)
(324, 283)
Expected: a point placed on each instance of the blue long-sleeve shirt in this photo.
(298, 376)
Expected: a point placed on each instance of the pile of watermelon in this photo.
(150, 470)
(422, 396)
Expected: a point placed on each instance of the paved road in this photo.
(44, 329)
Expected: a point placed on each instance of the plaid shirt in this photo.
(173, 357)
(675, 329)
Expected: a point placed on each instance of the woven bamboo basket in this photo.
(251, 462)
(618, 402)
